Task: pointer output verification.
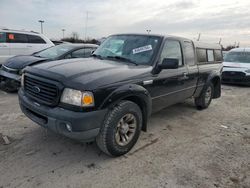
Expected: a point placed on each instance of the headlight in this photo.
(77, 98)
(22, 80)
(247, 71)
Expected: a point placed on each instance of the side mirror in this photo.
(169, 63)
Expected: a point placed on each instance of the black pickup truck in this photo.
(110, 96)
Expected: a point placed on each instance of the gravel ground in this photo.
(182, 148)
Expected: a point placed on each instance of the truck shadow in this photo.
(53, 154)
(52, 145)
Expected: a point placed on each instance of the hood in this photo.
(236, 65)
(21, 61)
(89, 73)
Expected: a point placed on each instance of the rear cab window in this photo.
(201, 55)
(2, 37)
(218, 55)
(210, 55)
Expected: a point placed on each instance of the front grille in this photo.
(42, 90)
(233, 74)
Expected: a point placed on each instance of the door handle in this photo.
(185, 75)
(3, 46)
(29, 46)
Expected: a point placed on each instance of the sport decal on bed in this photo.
(142, 49)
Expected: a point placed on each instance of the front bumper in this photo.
(85, 125)
(12, 76)
(235, 77)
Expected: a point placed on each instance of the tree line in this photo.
(74, 38)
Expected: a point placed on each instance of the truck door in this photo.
(192, 68)
(168, 87)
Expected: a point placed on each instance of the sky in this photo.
(214, 19)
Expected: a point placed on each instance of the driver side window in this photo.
(172, 49)
(81, 53)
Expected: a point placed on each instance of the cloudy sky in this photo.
(214, 19)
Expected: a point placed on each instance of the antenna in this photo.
(86, 25)
(199, 36)
(63, 30)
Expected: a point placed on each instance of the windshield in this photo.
(136, 49)
(54, 51)
(237, 57)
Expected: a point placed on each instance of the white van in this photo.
(13, 42)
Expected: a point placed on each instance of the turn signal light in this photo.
(87, 99)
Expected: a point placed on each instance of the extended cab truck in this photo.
(110, 96)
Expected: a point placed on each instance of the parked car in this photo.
(14, 42)
(236, 66)
(58, 42)
(224, 53)
(11, 70)
(109, 97)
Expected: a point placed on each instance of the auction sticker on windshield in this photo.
(142, 49)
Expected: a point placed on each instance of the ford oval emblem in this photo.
(36, 89)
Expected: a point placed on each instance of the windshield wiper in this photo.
(37, 55)
(98, 56)
(122, 59)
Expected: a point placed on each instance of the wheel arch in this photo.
(216, 81)
(135, 93)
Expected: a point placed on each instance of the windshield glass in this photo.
(137, 49)
(54, 51)
(237, 57)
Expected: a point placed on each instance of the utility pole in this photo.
(63, 30)
(86, 25)
(220, 41)
(41, 21)
(148, 30)
(199, 37)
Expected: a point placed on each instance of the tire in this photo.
(204, 100)
(9, 86)
(110, 138)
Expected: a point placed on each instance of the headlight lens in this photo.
(247, 71)
(77, 98)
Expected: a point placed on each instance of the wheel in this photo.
(204, 100)
(9, 86)
(121, 129)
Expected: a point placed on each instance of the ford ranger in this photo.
(110, 96)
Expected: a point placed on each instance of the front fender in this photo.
(126, 91)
